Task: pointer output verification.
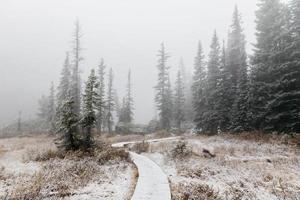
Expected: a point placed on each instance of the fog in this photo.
(36, 34)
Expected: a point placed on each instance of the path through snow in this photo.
(152, 182)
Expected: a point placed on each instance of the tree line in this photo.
(75, 113)
(236, 92)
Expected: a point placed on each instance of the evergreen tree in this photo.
(64, 84)
(169, 103)
(198, 88)
(283, 107)
(67, 125)
(51, 116)
(90, 100)
(211, 115)
(187, 85)
(240, 116)
(122, 111)
(225, 97)
(43, 108)
(162, 97)
(100, 106)
(118, 107)
(110, 102)
(179, 101)
(75, 76)
(129, 101)
(267, 61)
(236, 88)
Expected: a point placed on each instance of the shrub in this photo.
(181, 150)
(194, 192)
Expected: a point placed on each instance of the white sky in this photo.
(35, 34)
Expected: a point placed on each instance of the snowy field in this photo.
(21, 177)
(233, 168)
(188, 167)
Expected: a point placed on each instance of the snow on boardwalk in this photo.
(152, 182)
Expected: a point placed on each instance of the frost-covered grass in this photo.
(242, 168)
(32, 168)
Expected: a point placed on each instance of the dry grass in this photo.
(193, 191)
(244, 167)
(113, 138)
(140, 147)
(61, 173)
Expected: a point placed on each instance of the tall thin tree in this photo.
(110, 101)
(161, 97)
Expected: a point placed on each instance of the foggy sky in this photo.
(35, 34)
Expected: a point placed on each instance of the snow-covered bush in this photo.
(181, 150)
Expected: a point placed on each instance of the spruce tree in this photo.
(51, 110)
(129, 101)
(211, 115)
(118, 107)
(188, 96)
(110, 102)
(179, 101)
(266, 62)
(198, 88)
(225, 104)
(90, 100)
(43, 109)
(162, 93)
(100, 105)
(64, 84)
(169, 111)
(283, 108)
(75, 77)
(67, 123)
(236, 98)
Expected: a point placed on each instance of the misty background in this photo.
(36, 34)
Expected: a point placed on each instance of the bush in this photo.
(181, 150)
(194, 192)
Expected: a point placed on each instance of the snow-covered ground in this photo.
(240, 169)
(19, 173)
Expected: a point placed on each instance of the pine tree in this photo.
(90, 100)
(118, 107)
(64, 84)
(283, 108)
(225, 97)
(187, 85)
(236, 88)
(123, 111)
(51, 116)
(211, 115)
(129, 101)
(198, 88)
(266, 62)
(67, 125)
(110, 102)
(162, 97)
(75, 76)
(240, 116)
(179, 101)
(169, 110)
(43, 109)
(100, 106)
